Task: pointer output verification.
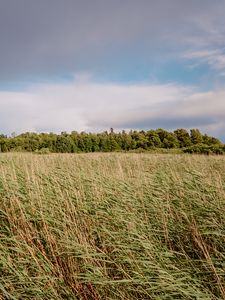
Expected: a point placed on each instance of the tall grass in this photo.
(112, 226)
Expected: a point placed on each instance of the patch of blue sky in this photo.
(29, 81)
(126, 69)
(156, 73)
(186, 74)
(10, 86)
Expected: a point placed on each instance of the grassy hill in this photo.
(112, 226)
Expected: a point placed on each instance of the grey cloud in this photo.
(50, 37)
(165, 121)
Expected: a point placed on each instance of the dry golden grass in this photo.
(112, 226)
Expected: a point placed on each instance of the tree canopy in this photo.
(74, 142)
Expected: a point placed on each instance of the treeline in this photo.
(74, 142)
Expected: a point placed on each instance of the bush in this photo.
(43, 151)
(204, 149)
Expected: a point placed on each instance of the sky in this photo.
(89, 65)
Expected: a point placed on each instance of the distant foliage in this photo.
(151, 140)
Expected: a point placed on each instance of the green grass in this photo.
(112, 226)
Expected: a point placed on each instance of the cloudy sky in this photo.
(128, 64)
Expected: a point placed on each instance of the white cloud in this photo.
(206, 43)
(75, 105)
(214, 58)
(85, 105)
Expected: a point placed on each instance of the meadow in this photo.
(112, 226)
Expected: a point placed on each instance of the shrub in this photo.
(43, 151)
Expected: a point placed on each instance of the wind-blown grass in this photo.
(112, 226)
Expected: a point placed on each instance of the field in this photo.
(112, 226)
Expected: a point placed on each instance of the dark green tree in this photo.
(196, 136)
(183, 137)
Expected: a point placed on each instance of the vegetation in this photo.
(151, 140)
(112, 226)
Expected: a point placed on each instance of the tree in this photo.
(196, 136)
(209, 140)
(111, 141)
(183, 137)
(153, 139)
(170, 141)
